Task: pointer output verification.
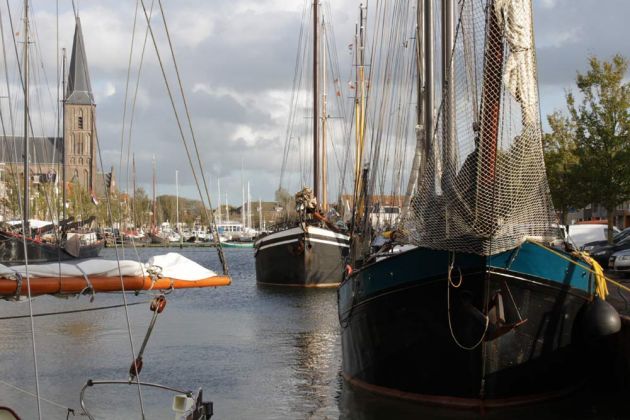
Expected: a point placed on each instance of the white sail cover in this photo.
(171, 265)
(515, 17)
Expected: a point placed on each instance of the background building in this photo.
(52, 159)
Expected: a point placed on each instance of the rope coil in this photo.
(448, 308)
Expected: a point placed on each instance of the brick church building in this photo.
(72, 157)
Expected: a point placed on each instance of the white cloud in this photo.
(236, 59)
(548, 4)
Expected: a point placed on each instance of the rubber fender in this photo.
(599, 319)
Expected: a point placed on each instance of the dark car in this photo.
(602, 253)
(590, 246)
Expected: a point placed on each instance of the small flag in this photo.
(94, 199)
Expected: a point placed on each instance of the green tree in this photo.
(285, 200)
(142, 206)
(602, 127)
(561, 162)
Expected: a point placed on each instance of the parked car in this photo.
(619, 262)
(583, 234)
(618, 237)
(602, 253)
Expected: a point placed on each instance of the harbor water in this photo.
(257, 353)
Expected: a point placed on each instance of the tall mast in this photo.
(227, 209)
(242, 196)
(315, 101)
(154, 215)
(429, 97)
(419, 158)
(177, 202)
(491, 105)
(63, 135)
(324, 120)
(219, 201)
(260, 220)
(448, 87)
(25, 227)
(359, 106)
(133, 192)
(249, 207)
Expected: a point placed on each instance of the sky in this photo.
(236, 59)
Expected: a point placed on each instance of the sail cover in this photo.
(171, 265)
(484, 188)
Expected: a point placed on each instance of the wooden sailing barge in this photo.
(308, 251)
(481, 312)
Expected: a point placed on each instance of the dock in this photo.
(111, 244)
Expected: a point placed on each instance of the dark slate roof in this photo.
(79, 88)
(45, 150)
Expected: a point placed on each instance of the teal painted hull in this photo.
(237, 244)
(413, 327)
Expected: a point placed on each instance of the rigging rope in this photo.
(183, 138)
(73, 311)
(122, 283)
(24, 391)
(209, 215)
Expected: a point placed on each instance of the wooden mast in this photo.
(420, 155)
(315, 102)
(491, 99)
(429, 98)
(324, 121)
(64, 176)
(448, 89)
(26, 210)
(133, 191)
(154, 215)
(359, 106)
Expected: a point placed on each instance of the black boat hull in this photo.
(304, 258)
(424, 341)
(12, 250)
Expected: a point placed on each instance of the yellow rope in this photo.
(601, 288)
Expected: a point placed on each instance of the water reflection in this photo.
(310, 336)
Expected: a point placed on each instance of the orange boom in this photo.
(74, 285)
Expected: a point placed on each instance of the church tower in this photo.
(79, 155)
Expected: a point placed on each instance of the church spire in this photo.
(79, 90)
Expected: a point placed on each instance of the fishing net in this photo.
(483, 187)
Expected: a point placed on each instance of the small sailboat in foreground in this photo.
(161, 272)
(478, 310)
(159, 276)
